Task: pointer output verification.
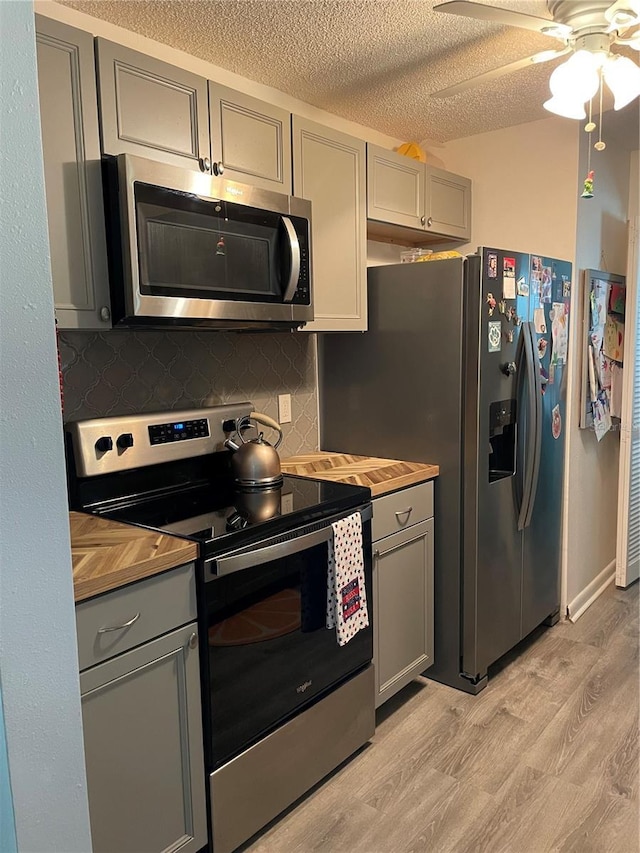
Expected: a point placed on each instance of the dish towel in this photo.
(346, 593)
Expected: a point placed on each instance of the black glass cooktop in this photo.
(212, 514)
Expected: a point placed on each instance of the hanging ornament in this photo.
(220, 246)
(587, 189)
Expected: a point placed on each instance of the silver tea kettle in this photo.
(255, 463)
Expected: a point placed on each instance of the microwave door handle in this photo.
(294, 248)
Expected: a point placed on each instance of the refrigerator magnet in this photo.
(491, 302)
(523, 286)
(556, 422)
(509, 278)
(543, 343)
(492, 266)
(566, 287)
(495, 336)
(509, 335)
(502, 306)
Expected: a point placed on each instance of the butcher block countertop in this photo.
(107, 554)
(380, 475)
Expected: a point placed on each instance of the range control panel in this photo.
(178, 431)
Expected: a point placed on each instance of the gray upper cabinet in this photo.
(250, 139)
(152, 109)
(395, 188)
(329, 170)
(448, 203)
(73, 183)
(415, 203)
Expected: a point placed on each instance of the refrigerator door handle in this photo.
(527, 359)
(537, 433)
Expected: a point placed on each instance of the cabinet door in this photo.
(150, 108)
(73, 182)
(252, 139)
(395, 188)
(448, 204)
(143, 748)
(403, 607)
(329, 170)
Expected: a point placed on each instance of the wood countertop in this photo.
(107, 554)
(380, 475)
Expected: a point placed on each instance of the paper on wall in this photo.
(593, 385)
(601, 416)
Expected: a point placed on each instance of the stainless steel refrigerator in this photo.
(464, 365)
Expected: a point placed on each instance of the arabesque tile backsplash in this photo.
(125, 372)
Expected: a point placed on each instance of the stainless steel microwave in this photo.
(189, 249)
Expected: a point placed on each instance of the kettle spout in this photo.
(231, 444)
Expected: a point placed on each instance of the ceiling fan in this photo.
(588, 29)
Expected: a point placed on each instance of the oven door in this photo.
(197, 248)
(269, 652)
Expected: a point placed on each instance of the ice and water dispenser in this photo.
(502, 439)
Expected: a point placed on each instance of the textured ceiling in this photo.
(375, 62)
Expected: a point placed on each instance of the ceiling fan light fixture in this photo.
(573, 83)
(622, 76)
(565, 107)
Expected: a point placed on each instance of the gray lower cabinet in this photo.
(414, 202)
(329, 170)
(73, 182)
(403, 592)
(142, 724)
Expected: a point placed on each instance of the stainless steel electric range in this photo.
(283, 703)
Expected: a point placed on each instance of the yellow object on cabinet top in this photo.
(412, 149)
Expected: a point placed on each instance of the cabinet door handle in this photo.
(193, 641)
(429, 222)
(205, 164)
(406, 512)
(105, 630)
(218, 168)
(422, 220)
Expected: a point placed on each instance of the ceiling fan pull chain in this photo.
(600, 145)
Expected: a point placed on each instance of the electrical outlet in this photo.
(284, 408)
(286, 503)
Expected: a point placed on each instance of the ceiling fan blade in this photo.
(468, 9)
(472, 82)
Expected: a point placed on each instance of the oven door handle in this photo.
(256, 556)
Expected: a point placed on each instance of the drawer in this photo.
(401, 509)
(151, 607)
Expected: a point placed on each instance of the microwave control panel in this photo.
(178, 431)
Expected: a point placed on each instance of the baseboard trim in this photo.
(593, 590)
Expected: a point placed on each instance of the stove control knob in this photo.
(125, 440)
(104, 444)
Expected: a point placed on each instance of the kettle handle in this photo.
(267, 421)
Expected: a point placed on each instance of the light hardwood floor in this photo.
(544, 759)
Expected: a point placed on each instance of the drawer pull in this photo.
(406, 512)
(119, 627)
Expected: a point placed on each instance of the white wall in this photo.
(40, 685)
(592, 465)
(524, 185)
